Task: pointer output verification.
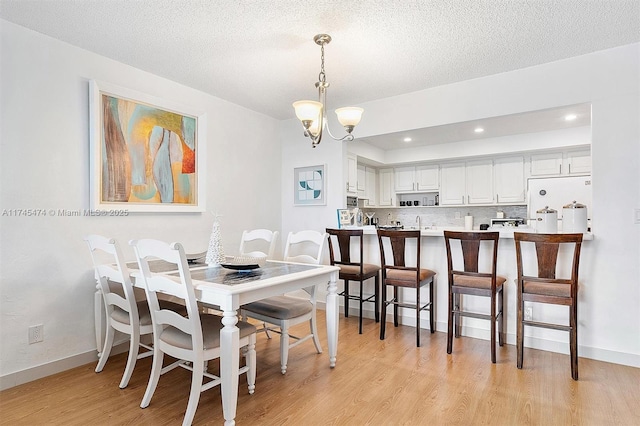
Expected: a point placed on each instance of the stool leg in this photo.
(395, 306)
(501, 335)
(418, 316)
(520, 331)
(376, 297)
(432, 316)
(346, 298)
(450, 323)
(493, 328)
(361, 303)
(456, 315)
(573, 340)
(383, 310)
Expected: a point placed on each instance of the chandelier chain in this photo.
(322, 77)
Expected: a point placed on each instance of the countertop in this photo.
(430, 231)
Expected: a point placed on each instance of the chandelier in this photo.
(313, 115)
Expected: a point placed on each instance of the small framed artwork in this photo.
(309, 186)
(147, 153)
(344, 218)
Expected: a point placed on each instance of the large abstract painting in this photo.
(148, 155)
(309, 186)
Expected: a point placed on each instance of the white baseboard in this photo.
(34, 373)
(598, 354)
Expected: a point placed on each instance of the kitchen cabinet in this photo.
(362, 181)
(417, 179)
(386, 193)
(508, 178)
(352, 175)
(571, 162)
(479, 177)
(578, 162)
(370, 187)
(452, 184)
(546, 164)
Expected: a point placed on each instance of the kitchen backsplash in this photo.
(445, 216)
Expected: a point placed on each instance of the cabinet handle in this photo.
(463, 199)
(497, 198)
(560, 168)
(569, 168)
(468, 199)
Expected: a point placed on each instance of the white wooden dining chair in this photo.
(123, 313)
(262, 239)
(193, 339)
(286, 311)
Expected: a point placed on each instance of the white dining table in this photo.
(229, 289)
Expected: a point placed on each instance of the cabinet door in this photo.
(386, 187)
(479, 182)
(352, 175)
(405, 180)
(370, 191)
(362, 181)
(452, 184)
(508, 178)
(579, 162)
(546, 164)
(427, 178)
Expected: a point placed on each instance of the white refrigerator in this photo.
(557, 192)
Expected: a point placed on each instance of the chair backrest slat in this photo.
(340, 253)
(115, 272)
(470, 245)
(252, 239)
(180, 287)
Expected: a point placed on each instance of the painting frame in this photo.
(344, 218)
(309, 186)
(192, 182)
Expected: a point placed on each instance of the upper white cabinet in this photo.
(578, 162)
(546, 164)
(416, 179)
(508, 178)
(574, 162)
(367, 188)
(479, 182)
(352, 175)
(362, 180)
(386, 193)
(453, 184)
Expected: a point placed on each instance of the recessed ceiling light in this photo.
(570, 117)
(478, 130)
(407, 139)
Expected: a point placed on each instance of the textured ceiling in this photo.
(261, 54)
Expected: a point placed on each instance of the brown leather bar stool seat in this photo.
(542, 285)
(465, 278)
(396, 273)
(353, 269)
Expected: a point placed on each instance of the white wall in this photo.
(45, 267)
(609, 308)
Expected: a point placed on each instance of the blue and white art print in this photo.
(309, 186)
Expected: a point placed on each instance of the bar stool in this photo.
(396, 273)
(466, 279)
(545, 287)
(352, 270)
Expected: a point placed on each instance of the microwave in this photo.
(352, 201)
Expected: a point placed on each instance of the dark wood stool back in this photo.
(397, 273)
(352, 269)
(543, 285)
(465, 278)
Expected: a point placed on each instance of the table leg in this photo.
(332, 309)
(229, 365)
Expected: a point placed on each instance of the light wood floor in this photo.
(375, 382)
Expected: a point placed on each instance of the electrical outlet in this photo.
(36, 333)
(528, 313)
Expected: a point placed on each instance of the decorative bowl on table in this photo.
(244, 263)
